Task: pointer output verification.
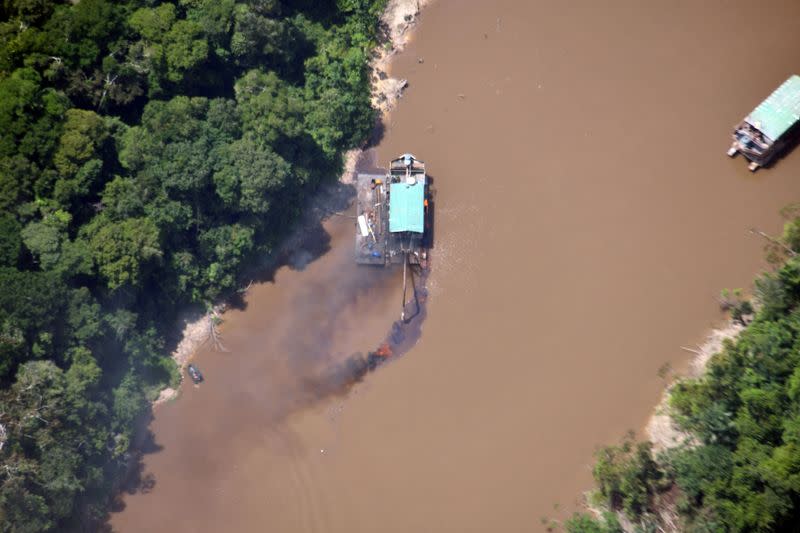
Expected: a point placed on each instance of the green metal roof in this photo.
(406, 207)
(780, 111)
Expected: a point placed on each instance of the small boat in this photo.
(195, 374)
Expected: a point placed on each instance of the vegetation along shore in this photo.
(151, 152)
(724, 448)
(396, 24)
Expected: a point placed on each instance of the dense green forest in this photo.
(741, 470)
(149, 151)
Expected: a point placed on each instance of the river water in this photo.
(586, 217)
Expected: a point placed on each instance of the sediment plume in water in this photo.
(338, 375)
(328, 325)
(332, 313)
(401, 337)
(315, 366)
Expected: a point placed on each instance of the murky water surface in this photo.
(586, 218)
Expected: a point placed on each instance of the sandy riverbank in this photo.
(661, 429)
(398, 20)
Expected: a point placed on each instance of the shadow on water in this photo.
(376, 135)
(136, 479)
(430, 215)
(791, 146)
(307, 242)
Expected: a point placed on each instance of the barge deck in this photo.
(392, 214)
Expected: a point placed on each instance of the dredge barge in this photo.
(392, 215)
(770, 127)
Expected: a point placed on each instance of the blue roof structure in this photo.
(407, 207)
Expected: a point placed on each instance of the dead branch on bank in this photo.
(774, 241)
(216, 338)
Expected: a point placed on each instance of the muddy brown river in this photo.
(586, 217)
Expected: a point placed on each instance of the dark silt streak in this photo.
(586, 218)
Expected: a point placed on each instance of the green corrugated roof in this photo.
(780, 111)
(406, 207)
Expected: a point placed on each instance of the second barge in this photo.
(770, 127)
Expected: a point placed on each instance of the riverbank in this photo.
(664, 437)
(399, 19)
(662, 434)
(722, 440)
(661, 428)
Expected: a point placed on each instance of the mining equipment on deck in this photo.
(392, 214)
(393, 218)
(770, 127)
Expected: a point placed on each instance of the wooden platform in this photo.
(372, 203)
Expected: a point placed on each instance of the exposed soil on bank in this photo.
(661, 429)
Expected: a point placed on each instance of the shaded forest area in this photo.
(739, 469)
(149, 152)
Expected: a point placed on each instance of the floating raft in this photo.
(392, 214)
(773, 124)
